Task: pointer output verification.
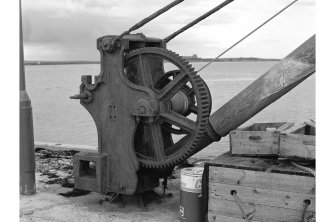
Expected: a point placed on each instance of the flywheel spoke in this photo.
(179, 120)
(157, 141)
(145, 71)
(172, 87)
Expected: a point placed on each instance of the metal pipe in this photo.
(27, 151)
(189, 25)
(151, 17)
(22, 74)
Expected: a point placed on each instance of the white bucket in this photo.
(191, 207)
(191, 178)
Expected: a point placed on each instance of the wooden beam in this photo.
(261, 196)
(264, 180)
(259, 212)
(276, 82)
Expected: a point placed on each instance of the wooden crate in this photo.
(258, 139)
(270, 189)
(298, 141)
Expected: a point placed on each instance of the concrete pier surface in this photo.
(48, 205)
(54, 168)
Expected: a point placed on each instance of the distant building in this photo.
(194, 56)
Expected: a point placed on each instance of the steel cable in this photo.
(246, 36)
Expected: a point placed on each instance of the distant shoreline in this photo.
(241, 59)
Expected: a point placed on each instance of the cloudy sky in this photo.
(68, 29)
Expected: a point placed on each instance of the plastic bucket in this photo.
(191, 209)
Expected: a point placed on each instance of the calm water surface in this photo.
(59, 119)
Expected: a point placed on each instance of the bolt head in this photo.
(122, 187)
(142, 110)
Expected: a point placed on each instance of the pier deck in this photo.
(48, 205)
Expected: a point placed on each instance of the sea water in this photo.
(58, 119)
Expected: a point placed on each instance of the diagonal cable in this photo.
(246, 36)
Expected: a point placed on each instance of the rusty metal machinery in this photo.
(137, 107)
(152, 110)
(178, 97)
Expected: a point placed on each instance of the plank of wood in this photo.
(274, 198)
(229, 208)
(262, 126)
(254, 143)
(214, 217)
(298, 128)
(276, 82)
(296, 145)
(259, 179)
(257, 164)
(285, 126)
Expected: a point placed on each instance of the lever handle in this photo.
(80, 96)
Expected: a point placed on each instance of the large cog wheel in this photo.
(153, 142)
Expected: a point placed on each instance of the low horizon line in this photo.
(187, 58)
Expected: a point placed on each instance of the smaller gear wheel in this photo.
(154, 142)
(188, 91)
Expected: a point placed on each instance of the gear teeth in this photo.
(204, 104)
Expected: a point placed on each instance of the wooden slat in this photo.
(298, 128)
(285, 126)
(296, 145)
(214, 217)
(310, 122)
(257, 164)
(259, 179)
(229, 208)
(263, 126)
(255, 143)
(274, 198)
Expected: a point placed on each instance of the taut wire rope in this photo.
(246, 36)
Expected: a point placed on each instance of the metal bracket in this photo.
(89, 170)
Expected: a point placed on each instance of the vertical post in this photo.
(27, 151)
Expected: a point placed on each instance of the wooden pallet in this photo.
(271, 190)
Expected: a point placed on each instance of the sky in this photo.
(62, 30)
